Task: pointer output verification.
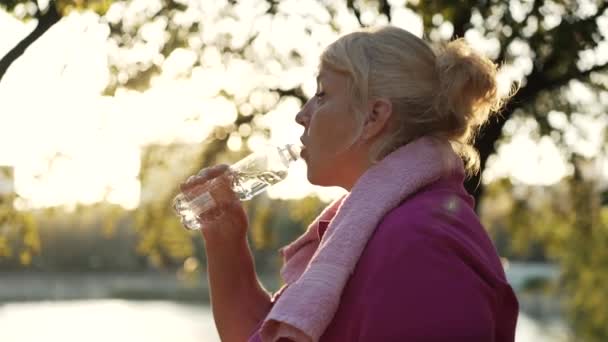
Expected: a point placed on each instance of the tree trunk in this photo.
(486, 145)
(492, 131)
(45, 22)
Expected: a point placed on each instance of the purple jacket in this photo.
(428, 273)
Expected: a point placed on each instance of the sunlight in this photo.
(527, 161)
(8, 23)
(129, 321)
(151, 321)
(73, 145)
(87, 146)
(108, 108)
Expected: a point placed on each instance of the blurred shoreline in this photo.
(143, 285)
(184, 297)
(176, 285)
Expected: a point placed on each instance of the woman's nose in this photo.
(300, 119)
(302, 116)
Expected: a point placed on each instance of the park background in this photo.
(106, 106)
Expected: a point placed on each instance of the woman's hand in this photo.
(226, 221)
(238, 300)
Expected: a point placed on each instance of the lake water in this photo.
(132, 321)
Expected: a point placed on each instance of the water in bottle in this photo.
(249, 177)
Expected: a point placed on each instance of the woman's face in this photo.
(330, 129)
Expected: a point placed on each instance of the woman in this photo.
(401, 257)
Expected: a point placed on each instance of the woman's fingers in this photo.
(203, 176)
(225, 216)
(212, 172)
(210, 215)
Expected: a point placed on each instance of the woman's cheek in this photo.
(323, 128)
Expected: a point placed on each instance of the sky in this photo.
(51, 107)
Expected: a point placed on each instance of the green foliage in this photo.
(18, 232)
(61, 240)
(536, 284)
(161, 237)
(550, 38)
(98, 6)
(570, 223)
(259, 225)
(27, 9)
(9, 5)
(275, 223)
(22, 9)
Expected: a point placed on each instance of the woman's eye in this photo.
(320, 94)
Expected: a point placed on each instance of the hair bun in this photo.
(467, 84)
(467, 95)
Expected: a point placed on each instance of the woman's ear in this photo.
(380, 111)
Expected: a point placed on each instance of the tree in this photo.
(19, 236)
(555, 33)
(551, 36)
(45, 17)
(551, 45)
(570, 222)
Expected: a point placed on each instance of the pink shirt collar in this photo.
(323, 224)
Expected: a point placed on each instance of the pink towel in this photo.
(315, 272)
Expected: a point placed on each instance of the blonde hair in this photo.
(448, 94)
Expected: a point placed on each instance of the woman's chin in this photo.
(312, 177)
(318, 176)
(316, 179)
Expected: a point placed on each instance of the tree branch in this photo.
(516, 29)
(572, 75)
(351, 4)
(537, 82)
(574, 29)
(45, 22)
(385, 8)
(272, 9)
(294, 92)
(461, 24)
(492, 131)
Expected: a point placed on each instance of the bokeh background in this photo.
(106, 106)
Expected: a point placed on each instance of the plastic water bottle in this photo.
(250, 176)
